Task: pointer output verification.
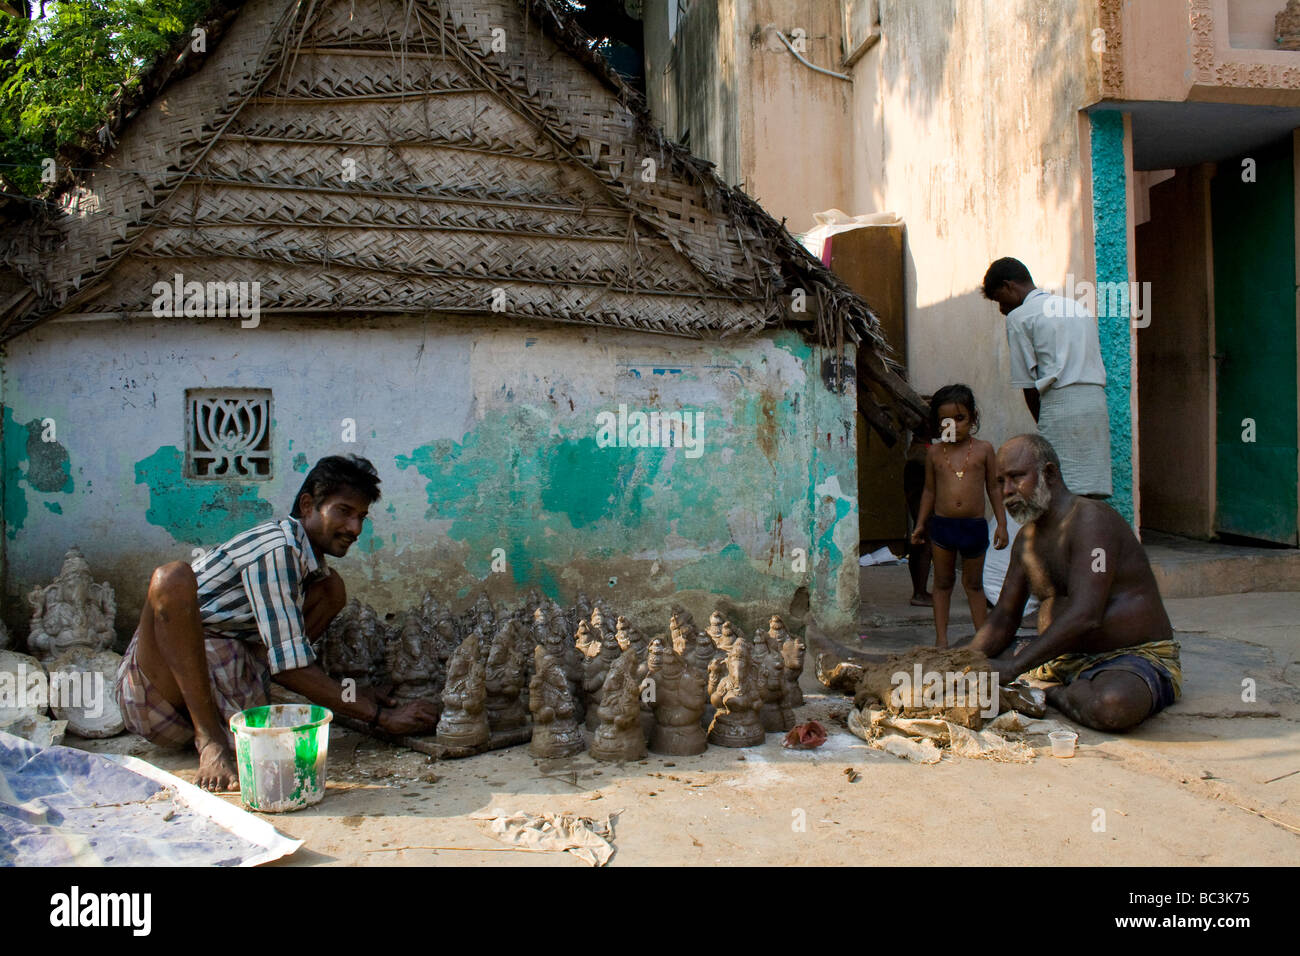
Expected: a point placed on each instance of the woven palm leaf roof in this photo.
(415, 156)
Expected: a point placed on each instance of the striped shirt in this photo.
(253, 586)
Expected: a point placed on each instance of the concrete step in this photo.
(1186, 568)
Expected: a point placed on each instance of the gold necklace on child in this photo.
(960, 474)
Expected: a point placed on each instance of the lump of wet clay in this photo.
(464, 718)
(619, 736)
(678, 695)
(83, 692)
(505, 682)
(952, 684)
(838, 675)
(734, 690)
(39, 730)
(72, 611)
(555, 731)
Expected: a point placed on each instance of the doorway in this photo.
(1254, 258)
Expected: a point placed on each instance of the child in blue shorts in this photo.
(959, 471)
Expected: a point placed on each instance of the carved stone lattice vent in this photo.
(228, 433)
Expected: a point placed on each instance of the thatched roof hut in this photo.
(439, 161)
(382, 156)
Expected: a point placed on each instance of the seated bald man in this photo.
(1103, 634)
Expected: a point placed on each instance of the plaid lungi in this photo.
(240, 680)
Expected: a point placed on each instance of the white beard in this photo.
(1031, 510)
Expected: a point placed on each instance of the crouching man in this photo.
(1103, 634)
(213, 634)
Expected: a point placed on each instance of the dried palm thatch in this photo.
(421, 157)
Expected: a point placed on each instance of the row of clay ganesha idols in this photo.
(491, 670)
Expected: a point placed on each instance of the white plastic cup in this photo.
(1063, 742)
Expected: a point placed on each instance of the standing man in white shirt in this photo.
(1056, 360)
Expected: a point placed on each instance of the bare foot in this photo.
(922, 600)
(941, 643)
(216, 768)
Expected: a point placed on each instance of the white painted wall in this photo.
(116, 390)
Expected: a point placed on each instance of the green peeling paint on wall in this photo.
(15, 453)
(729, 572)
(826, 543)
(369, 542)
(587, 483)
(197, 512)
(43, 466)
(300, 462)
(548, 495)
(1110, 230)
(793, 343)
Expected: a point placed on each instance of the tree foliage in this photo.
(60, 73)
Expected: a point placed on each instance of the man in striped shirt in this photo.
(212, 635)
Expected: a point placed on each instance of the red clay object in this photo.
(807, 736)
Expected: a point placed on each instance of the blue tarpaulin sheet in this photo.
(64, 807)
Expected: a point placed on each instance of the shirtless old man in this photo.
(1103, 635)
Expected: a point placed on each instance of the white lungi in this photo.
(1074, 419)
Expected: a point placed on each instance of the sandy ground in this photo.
(1201, 783)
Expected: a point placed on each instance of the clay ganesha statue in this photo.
(600, 660)
(555, 731)
(414, 665)
(792, 654)
(464, 719)
(352, 643)
(619, 736)
(738, 697)
(72, 612)
(505, 681)
(770, 669)
(679, 696)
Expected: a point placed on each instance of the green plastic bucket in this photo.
(281, 753)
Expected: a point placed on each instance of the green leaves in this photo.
(59, 75)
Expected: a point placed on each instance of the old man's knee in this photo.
(1118, 702)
